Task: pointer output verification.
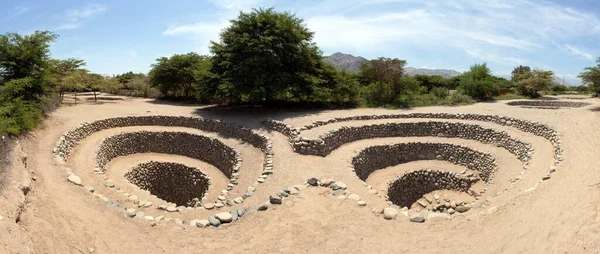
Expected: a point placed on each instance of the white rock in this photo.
(74, 179)
(390, 213)
(224, 217)
(354, 197)
(361, 203)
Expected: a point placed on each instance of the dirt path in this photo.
(559, 215)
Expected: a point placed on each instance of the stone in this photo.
(214, 221)
(132, 198)
(263, 207)
(293, 191)
(275, 200)
(416, 217)
(109, 184)
(90, 189)
(546, 177)
(208, 206)
(361, 203)
(390, 213)
(354, 197)
(313, 181)
(150, 218)
(234, 215)
(462, 208)
(338, 186)
(436, 216)
(241, 212)
(451, 211)
(202, 223)
(373, 191)
(131, 213)
(377, 210)
(159, 218)
(74, 179)
(221, 198)
(171, 209)
(327, 182)
(219, 204)
(230, 202)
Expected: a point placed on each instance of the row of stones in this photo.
(169, 181)
(410, 187)
(210, 150)
(330, 141)
(547, 103)
(535, 128)
(374, 158)
(68, 141)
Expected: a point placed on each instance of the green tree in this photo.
(383, 77)
(128, 76)
(176, 75)
(478, 82)
(60, 69)
(26, 57)
(591, 77)
(520, 72)
(266, 56)
(531, 83)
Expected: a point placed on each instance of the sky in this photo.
(116, 36)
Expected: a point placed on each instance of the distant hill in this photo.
(346, 62)
(352, 64)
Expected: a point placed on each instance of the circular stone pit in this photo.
(172, 182)
(548, 104)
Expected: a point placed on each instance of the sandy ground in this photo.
(558, 215)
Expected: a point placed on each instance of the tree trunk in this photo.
(75, 100)
(95, 101)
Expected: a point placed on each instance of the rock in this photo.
(293, 191)
(208, 206)
(214, 221)
(275, 200)
(327, 182)
(416, 217)
(238, 200)
(546, 177)
(202, 223)
(434, 216)
(130, 212)
(313, 181)
(221, 198)
(109, 184)
(377, 210)
(74, 179)
(219, 204)
(390, 213)
(361, 203)
(338, 186)
(241, 212)
(354, 197)
(132, 198)
(224, 217)
(159, 218)
(230, 202)
(90, 189)
(462, 208)
(263, 207)
(150, 218)
(171, 209)
(373, 191)
(451, 211)
(234, 215)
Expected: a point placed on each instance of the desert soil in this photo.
(557, 215)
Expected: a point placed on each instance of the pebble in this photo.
(338, 192)
(327, 182)
(338, 186)
(90, 189)
(241, 212)
(150, 218)
(171, 209)
(377, 210)
(202, 223)
(451, 211)
(222, 198)
(238, 200)
(130, 212)
(275, 200)
(373, 191)
(293, 191)
(140, 214)
(417, 217)
(224, 217)
(219, 204)
(462, 208)
(132, 198)
(313, 181)
(546, 177)
(208, 206)
(390, 213)
(234, 215)
(354, 197)
(109, 184)
(361, 203)
(263, 207)
(74, 179)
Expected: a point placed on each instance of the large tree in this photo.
(383, 76)
(532, 82)
(591, 77)
(176, 75)
(478, 82)
(265, 56)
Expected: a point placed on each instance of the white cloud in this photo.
(237, 5)
(15, 12)
(578, 52)
(75, 18)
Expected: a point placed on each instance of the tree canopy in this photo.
(591, 77)
(176, 75)
(266, 56)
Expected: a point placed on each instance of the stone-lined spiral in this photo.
(548, 104)
(172, 182)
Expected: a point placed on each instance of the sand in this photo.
(558, 215)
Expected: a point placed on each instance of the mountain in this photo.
(352, 64)
(422, 71)
(346, 62)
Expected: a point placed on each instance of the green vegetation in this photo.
(591, 78)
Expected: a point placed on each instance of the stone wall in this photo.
(172, 182)
(378, 157)
(545, 103)
(212, 151)
(411, 186)
(534, 128)
(73, 137)
(332, 140)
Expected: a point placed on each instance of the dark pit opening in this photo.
(172, 182)
(411, 186)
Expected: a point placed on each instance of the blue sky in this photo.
(116, 36)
